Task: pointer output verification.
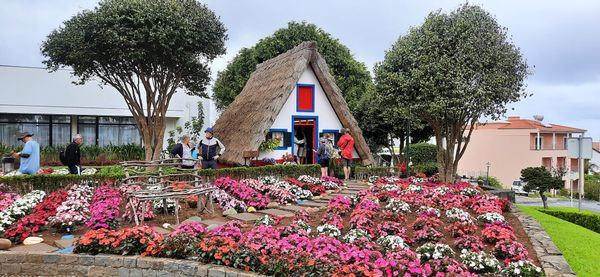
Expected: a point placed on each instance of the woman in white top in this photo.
(300, 150)
(185, 151)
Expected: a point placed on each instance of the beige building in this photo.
(518, 143)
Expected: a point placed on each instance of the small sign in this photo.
(573, 147)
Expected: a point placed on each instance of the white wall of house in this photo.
(30, 90)
(595, 161)
(327, 119)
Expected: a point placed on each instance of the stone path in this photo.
(245, 217)
(552, 260)
(292, 208)
(39, 247)
(65, 243)
(277, 212)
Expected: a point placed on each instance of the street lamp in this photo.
(487, 175)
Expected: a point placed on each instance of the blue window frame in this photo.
(282, 143)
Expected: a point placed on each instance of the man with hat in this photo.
(30, 155)
(210, 149)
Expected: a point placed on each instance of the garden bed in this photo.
(392, 227)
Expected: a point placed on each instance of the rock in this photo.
(273, 205)
(193, 218)
(251, 209)
(212, 227)
(316, 197)
(166, 226)
(230, 211)
(32, 240)
(5, 244)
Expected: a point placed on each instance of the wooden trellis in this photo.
(155, 185)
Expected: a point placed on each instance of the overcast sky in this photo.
(560, 39)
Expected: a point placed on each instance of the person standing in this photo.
(324, 154)
(211, 149)
(30, 155)
(73, 155)
(185, 150)
(300, 148)
(346, 144)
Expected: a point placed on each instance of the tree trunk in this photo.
(440, 156)
(544, 199)
(152, 137)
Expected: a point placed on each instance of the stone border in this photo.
(57, 264)
(552, 260)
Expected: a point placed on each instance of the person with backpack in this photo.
(346, 144)
(211, 149)
(324, 153)
(186, 151)
(71, 156)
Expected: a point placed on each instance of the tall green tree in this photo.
(540, 179)
(451, 71)
(383, 123)
(351, 76)
(146, 49)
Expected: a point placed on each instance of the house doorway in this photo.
(305, 128)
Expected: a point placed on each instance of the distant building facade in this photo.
(518, 143)
(54, 109)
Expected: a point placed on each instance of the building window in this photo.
(47, 129)
(305, 98)
(283, 135)
(108, 130)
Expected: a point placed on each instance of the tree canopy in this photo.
(146, 50)
(540, 179)
(451, 71)
(351, 76)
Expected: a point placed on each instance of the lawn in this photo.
(580, 246)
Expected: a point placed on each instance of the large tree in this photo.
(146, 49)
(383, 123)
(451, 71)
(351, 76)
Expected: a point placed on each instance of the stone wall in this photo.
(55, 264)
(552, 261)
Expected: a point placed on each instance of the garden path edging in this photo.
(552, 261)
(57, 264)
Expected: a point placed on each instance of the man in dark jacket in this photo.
(73, 155)
(211, 149)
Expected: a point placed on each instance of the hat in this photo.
(209, 130)
(22, 135)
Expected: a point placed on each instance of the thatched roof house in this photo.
(291, 95)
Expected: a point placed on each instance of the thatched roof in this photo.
(247, 120)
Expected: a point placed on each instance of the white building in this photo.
(51, 107)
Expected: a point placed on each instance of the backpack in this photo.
(62, 156)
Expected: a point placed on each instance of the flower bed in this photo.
(74, 211)
(243, 192)
(104, 210)
(6, 199)
(437, 235)
(19, 208)
(36, 221)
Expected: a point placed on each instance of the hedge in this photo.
(423, 153)
(363, 173)
(429, 168)
(26, 183)
(586, 220)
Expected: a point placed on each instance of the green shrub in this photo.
(586, 220)
(592, 187)
(27, 183)
(429, 168)
(423, 153)
(493, 181)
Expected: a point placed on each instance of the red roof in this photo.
(515, 122)
(596, 146)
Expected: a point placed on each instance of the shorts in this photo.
(346, 162)
(302, 152)
(324, 162)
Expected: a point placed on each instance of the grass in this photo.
(580, 246)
